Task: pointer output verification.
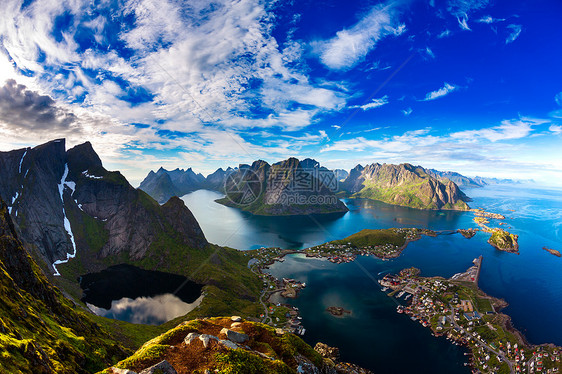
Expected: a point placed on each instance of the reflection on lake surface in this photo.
(147, 310)
(132, 294)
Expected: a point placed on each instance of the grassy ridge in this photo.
(369, 237)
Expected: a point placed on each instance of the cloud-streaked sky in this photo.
(473, 86)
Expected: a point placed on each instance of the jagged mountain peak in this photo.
(59, 195)
(83, 158)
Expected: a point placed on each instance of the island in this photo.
(457, 309)
(381, 243)
(552, 251)
(467, 233)
(337, 311)
(501, 239)
(504, 241)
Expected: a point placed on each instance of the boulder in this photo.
(234, 336)
(236, 319)
(163, 367)
(205, 338)
(115, 370)
(229, 344)
(190, 337)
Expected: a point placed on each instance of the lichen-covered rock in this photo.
(234, 336)
(163, 367)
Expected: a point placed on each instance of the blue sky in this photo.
(473, 86)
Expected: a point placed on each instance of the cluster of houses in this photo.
(436, 304)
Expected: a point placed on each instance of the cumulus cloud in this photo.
(350, 46)
(515, 31)
(443, 91)
(29, 111)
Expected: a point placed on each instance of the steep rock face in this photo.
(29, 182)
(405, 185)
(289, 187)
(39, 328)
(181, 219)
(215, 181)
(66, 192)
(164, 183)
(341, 174)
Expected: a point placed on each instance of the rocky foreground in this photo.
(231, 345)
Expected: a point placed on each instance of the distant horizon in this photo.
(471, 86)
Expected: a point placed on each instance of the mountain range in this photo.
(403, 184)
(289, 187)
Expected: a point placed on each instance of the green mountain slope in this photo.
(289, 187)
(40, 330)
(404, 185)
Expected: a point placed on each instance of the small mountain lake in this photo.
(132, 294)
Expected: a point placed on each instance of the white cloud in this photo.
(444, 34)
(498, 149)
(508, 130)
(443, 91)
(350, 46)
(557, 129)
(463, 23)
(515, 32)
(463, 7)
(375, 103)
(429, 52)
(211, 68)
(489, 20)
(337, 127)
(407, 112)
(558, 98)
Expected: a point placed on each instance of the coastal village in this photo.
(458, 310)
